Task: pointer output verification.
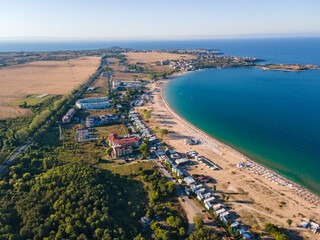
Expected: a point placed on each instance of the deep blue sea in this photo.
(277, 50)
(271, 116)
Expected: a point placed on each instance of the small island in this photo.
(289, 67)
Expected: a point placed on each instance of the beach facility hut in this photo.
(216, 206)
(199, 196)
(179, 173)
(206, 195)
(189, 180)
(225, 214)
(304, 224)
(193, 188)
(210, 200)
(187, 191)
(202, 190)
(181, 161)
(175, 169)
(235, 224)
(208, 205)
(314, 226)
(223, 219)
(244, 234)
(219, 212)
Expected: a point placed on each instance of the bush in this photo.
(275, 231)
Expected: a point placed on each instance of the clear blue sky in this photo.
(148, 19)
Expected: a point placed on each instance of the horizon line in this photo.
(143, 39)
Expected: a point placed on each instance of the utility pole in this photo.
(60, 133)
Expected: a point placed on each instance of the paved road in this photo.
(13, 157)
(191, 207)
(163, 170)
(110, 85)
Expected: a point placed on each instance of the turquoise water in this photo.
(271, 116)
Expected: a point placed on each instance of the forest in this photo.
(69, 202)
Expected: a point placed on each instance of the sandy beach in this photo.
(257, 194)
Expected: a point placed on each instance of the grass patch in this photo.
(242, 191)
(105, 131)
(131, 169)
(282, 204)
(97, 92)
(71, 151)
(31, 100)
(268, 209)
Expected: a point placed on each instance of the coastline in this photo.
(251, 193)
(215, 145)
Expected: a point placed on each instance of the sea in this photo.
(273, 117)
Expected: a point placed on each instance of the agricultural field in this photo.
(150, 57)
(40, 77)
(115, 65)
(125, 76)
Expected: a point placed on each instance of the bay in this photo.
(271, 116)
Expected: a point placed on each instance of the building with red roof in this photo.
(115, 141)
(122, 146)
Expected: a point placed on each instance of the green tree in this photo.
(22, 134)
(163, 132)
(289, 221)
(139, 237)
(275, 231)
(24, 105)
(203, 234)
(146, 114)
(198, 221)
(144, 149)
(109, 151)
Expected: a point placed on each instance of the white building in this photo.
(206, 195)
(219, 212)
(202, 190)
(189, 180)
(181, 161)
(200, 196)
(216, 206)
(93, 103)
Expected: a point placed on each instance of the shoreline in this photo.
(217, 146)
